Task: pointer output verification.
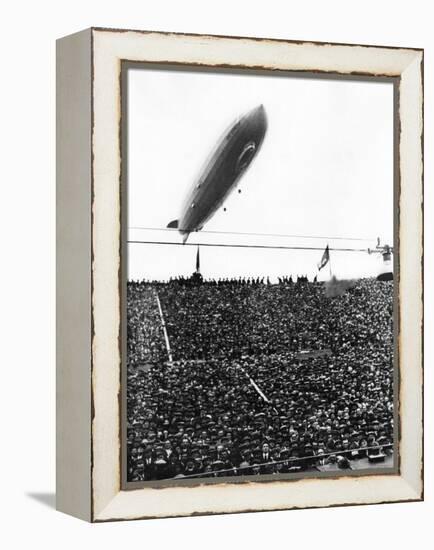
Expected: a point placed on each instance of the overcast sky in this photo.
(325, 169)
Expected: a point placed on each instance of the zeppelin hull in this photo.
(226, 165)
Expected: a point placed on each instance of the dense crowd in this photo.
(241, 397)
(145, 339)
(232, 320)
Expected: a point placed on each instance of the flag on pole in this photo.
(197, 261)
(325, 258)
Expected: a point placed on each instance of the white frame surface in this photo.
(105, 500)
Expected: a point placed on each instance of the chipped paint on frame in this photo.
(109, 49)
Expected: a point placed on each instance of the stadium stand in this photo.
(265, 379)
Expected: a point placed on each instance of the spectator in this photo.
(240, 396)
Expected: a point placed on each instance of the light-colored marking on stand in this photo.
(163, 323)
(255, 385)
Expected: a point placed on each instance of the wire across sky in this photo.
(252, 234)
(263, 246)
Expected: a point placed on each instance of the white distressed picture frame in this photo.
(89, 233)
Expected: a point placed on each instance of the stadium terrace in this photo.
(241, 377)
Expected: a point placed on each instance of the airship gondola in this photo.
(222, 171)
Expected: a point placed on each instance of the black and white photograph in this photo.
(218, 275)
(259, 232)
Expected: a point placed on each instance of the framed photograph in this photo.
(239, 274)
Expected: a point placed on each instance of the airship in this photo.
(222, 171)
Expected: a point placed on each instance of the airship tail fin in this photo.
(173, 224)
